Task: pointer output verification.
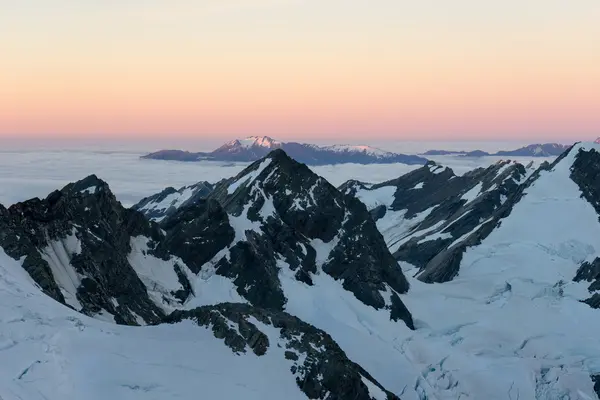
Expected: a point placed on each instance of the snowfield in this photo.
(49, 352)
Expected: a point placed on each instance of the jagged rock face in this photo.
(274, 219)
(321, 367)
(590, 272)
(430, 215)
(596, 379)
(275, 222)
(285, 216)
(165, 203)
(585, 172)
(196, 233)
(75, 245)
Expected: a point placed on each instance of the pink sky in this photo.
(302, 69)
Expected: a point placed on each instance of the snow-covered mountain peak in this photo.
(88, 185)
(303, 230)
(254, 141)
(368, 150)
(159, 205)
(254, 148)
(586, 146)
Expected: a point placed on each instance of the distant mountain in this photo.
(532, 150)
(165, 203)
(254, 148)
(537, 150)
(443, 152)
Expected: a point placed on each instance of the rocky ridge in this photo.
(160, 205)
(430, 214)
(320, 366)
(257, 238)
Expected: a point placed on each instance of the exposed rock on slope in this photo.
(429, 215)
(50, 352)
(274, 225)
(75, 244)
(165, 203)
(272, 237)
(321, 368)
(288, 223)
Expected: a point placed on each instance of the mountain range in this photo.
(255, 147)
(274, 283)
(532, 150)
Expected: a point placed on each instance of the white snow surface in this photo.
(473, 193)
(369, 150)
(377, 197)
(394, 227)
(249, 178)
(251, 141)
(374, 391)
(58, 255)
(157, 275)
(510, 326)
(50, 352)
(174, 200)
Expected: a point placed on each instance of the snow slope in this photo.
(511, 325)
(50, 352)
(372, 151)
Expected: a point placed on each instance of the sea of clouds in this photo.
(30, 170)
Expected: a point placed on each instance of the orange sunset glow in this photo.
(391, 70)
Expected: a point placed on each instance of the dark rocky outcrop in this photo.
(590, 272)
(321, 368)
(88, 252)
(167, 202)
(585, 172)
(596, 381)
(275, 219)
(450, 212)
(445, 265)
(278, 214)
(434, 215)
(300, 213)
(196, 233)
(85, 228)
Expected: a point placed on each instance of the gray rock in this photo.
(167, 202)
(321, 368)
(302, 208)
(104, 228)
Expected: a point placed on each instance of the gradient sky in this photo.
(377, 69)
